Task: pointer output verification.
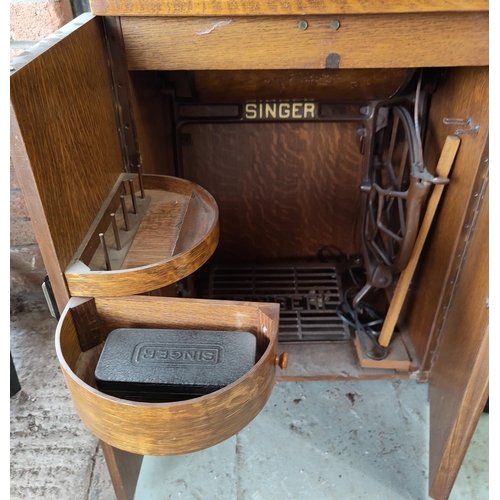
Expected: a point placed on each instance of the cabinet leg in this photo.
(124, 468)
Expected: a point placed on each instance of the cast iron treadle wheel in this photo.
(395, 191)
(398, 186)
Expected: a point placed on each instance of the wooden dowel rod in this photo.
(445, 163)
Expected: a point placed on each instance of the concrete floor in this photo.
(312, 441)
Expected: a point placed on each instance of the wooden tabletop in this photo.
(180, 8)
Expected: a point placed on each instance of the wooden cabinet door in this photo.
(65, 145)
(458, 380)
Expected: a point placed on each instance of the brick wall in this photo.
(30, 22)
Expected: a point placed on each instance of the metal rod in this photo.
(124, 187)
(105, 250)
(125, 213)
(132, 194)
(115, 231)
(141, 185)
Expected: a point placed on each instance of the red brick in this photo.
(21, 233)
(34, 21)
(26, 259)
(15, 53)
(18, 207)
(26, 282)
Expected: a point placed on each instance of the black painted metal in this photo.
(308, 293)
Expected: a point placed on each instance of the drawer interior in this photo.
(168, 428)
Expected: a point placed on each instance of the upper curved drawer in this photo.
(145, 240)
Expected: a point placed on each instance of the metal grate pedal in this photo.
(308, 294)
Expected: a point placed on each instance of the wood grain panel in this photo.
(60, 96)
(464, 93)
(273, 7)
(153, 128)
(157, 235)
(180, 427)
(283, 190)
(86, 325)
(124, 469)
(329, 84)
(371, 41)
(458, 381)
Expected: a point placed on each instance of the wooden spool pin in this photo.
(443, 169)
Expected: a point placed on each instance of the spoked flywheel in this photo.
(395, 191)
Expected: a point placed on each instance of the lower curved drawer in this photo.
(165, 428)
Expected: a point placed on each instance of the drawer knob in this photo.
(281, 360)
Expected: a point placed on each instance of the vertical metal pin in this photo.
(124, 188)
(125, 213)
(105, 251)
(115, 231)
(132, 194)
(141, 185)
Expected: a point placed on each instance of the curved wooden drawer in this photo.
(165, 428)
(173, 233)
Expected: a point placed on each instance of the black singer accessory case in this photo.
(159, 365)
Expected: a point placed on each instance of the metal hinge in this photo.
(121, 93)
(49, 298)
(472, 129)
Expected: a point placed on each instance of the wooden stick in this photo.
(445, 163)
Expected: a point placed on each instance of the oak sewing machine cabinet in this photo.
(315, 173)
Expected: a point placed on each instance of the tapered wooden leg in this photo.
(124, 468)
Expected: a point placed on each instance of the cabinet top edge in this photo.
(275, 7)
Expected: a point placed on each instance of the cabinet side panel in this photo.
(458, 381)
(152, 120)
(463, 94)
(65, 124)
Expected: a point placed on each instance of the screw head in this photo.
(335, 24)
(302, 25)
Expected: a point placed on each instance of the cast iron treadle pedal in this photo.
(308, 294)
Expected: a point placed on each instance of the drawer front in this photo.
(291, 42)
